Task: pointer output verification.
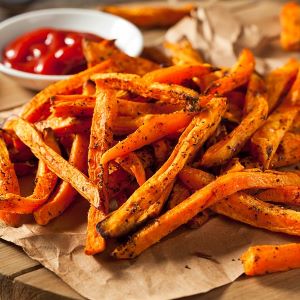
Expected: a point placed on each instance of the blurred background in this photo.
(9, 8)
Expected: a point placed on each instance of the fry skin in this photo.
(223, 186)
(264, 259)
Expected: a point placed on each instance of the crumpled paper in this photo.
(221, 30)
(187, 262)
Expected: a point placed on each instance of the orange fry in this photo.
(257, 106)
(101, 139)
(152, 130)
(132, 164)
(238, 75)
(170, 93)
(65, 193)
(178, 74)
(30, 137)
(222, 187)
(264, 259)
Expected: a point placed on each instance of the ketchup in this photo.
(48, 51)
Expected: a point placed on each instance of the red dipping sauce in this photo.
(48, 51)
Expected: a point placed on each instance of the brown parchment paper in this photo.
(173, 268)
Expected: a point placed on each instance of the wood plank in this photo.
(277, 286)
(42, 284)
(14, 262)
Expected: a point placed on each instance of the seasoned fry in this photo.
(8, 184)
(257, 107)
(65, 126)
(97, 52)
(150, 16)
(277, 81)
(264, 259)
(287, 195)
(100, 141)
(289, 19)
(183, 53)
(128, 216)
(222, 187)
(265, 215)
(265, 141)
(133, 165)
(30, 137)
(288, 152)
(152, 130)
(65, 193)
(177, 74)
(169, 93)
(238, 75)
(179, 193)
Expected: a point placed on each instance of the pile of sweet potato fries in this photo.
(153, 148)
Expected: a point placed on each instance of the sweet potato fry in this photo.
(97, 52)
(265, 141)
(152, 130)
(100, 141)
(30, 137)
(128, 216)
(278, 80)
(287, 195)
(38, 108)
(265, 259)
(257, 107)
(288, 152)
(183, 53)
(265, 215)
(89, 88)
(177, 74)
(238, 75)
(289, 19)
(170, 93)
(65, 193)
(132, 164)
(179, 193)
(65, 126)
(45, 182)
(162, 150)
(195, 179)
(223, 186)
(8, 184)
(145, 16)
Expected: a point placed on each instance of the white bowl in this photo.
(128, 36)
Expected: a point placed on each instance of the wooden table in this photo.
(22, 278)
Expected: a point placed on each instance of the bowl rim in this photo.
(62, 11)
